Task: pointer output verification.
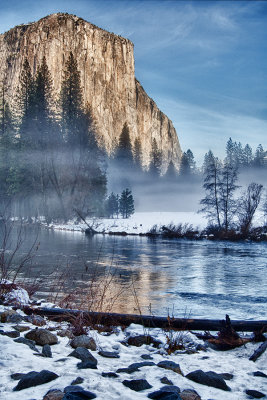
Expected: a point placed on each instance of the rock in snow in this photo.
(83, 341)
(34, 379)
(208, 378)
(42, 337)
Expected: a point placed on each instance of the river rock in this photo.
(146, 357)
(21, 328)
(137, 384)
(77, 381)
(83, 354)
(28, 342)
(255, 394)
(166, 381)
(54, 394)
(135, 367)
(46, 351)
(76, 393)
(42, 336)
(87, 365)
(259, 373)
(109, 375)
(11, 334)
(35, 379)
(83, 341)
(139, 340)
(109, 354)
(189, 394)
(166, 392)
(171, 366)
(209, 378)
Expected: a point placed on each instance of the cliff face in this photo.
(106, 63)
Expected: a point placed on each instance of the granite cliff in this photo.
(106, 63)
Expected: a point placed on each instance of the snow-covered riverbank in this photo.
(111, 371)
(139, 223)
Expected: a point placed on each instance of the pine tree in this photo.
(211, 202)
(259, 156)
(248, 205)
(185, 168)
(124, 154)
(247, 160)
(227, 187)
(171, 173)
(112, 205)
(126, 203)
(138, 154)
(155, 160)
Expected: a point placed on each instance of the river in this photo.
(204, 279)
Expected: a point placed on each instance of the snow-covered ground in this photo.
(140, 222)
(19, 358)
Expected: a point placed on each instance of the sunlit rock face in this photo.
(106, 63)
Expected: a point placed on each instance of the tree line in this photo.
(50, 163)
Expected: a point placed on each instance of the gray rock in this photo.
(166, 381)
(259, 373)
(46, 351)
(189, 394)
(77, 393)
(28, 342)
(209, 378)
(14, 318)
(35, 379)
(146, 357)
(77, 381)
(109, 375)
(137, 384)
(135, 367)
(21, 328)
(17, 376)
(109, 354)
(83, 341)
(86, 365)
(171, 366)
(35, 320)
(11, 334)
(166, 392)
(255, 394)
(139, 340)
(83, 354)
(54, 394)
(42, 336)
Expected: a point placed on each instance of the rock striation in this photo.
(106, 64)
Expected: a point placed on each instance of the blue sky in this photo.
(203, 62)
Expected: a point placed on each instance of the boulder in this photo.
(171, 366)
(11, 334)
(77, 393)
(34, 379)
(54, 394)
(42, 336)
(209, 378)
(166, 381)
(139, 340)
(46, 351)
(255, 394)
(17, 376)
(77, 381)
(83, 354)
(137, 384)
(166, 393)
(109, 354)
(83, 341)
(189, 394)
(109, 375)
(87, 364)
(21, 328)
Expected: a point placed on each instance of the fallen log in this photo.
(148, 321)
(259, 351)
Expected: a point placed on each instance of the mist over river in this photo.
(202, 279)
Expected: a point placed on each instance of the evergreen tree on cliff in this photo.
(155, 160)
(138, 154)
(124, 154)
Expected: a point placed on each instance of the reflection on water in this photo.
(196, 278)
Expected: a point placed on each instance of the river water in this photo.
(202, 279)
